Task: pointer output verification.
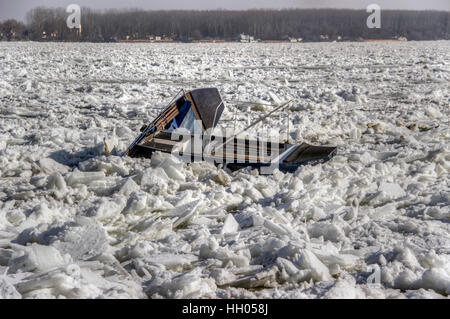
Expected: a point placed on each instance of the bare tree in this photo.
(12, 30)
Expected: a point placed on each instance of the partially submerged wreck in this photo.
(185, 128)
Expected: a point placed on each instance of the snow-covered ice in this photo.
(78, 221)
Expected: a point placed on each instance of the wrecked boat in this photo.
(185, 126)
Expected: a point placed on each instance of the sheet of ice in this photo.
(78, 221)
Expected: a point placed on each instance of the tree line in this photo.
(45, 24)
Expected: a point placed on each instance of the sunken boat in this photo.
(185, 126)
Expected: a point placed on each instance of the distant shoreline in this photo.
(277, 26)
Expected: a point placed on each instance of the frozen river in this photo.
(374, 222)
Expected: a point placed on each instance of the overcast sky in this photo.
(17, 9)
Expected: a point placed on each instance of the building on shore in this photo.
(292, 39)
(244, 38)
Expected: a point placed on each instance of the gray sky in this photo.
(17, 9)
